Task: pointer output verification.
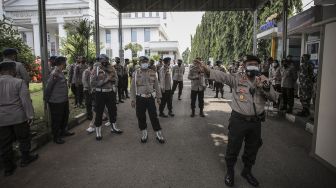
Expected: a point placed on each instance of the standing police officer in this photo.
(166, 88)
(219, 86)
(16, 115)
(249, 97)
(120, 73)
(77, 77)
(103, 79)
(56, 95)
(158, 68)
(10, 55)
(178, 72)
(144, 89)
(125, 79)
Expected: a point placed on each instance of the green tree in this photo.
(185, 55)
(156, 57)
(134, 47)
(228, 35)
(79, 40)
(10, 38)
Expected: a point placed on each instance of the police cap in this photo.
(251, 58)
(60, 60)
(166, 59)
(9, 51)
(219, 62)
(7, 66)
(143, 58)
(103, 58)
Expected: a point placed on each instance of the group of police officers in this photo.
(150, 84)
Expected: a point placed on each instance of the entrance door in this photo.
(313, 50)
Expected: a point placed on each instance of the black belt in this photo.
(247, 118)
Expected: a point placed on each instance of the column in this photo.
(303, 43)
(255, 23)
(97, 27)
(284, 28)
(121, 51)
(36, 34)
(61, 32)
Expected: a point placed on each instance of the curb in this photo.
(302, 122)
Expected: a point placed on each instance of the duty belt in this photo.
(103, 90)
(245, 117)
(146, 95)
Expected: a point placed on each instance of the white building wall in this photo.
(30, 39)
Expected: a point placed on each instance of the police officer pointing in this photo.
(249, 97)
(144, 89)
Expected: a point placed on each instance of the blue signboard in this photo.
(268, 25)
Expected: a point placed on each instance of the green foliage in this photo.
(156, 57)
(228, 35)
(185, 56)
(134, 47)
(78, 41)
(10, 38)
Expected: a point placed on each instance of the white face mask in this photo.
(144, 65)
(252, 68)
(275, 64)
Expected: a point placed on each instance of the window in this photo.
(133, 35)
(158, 14)
(165, 15)
(108, 36)
(24, 37)
(147, 52)
(150, 14)
(136, 15)
(147, 34)
(143, 14)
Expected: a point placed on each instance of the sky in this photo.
(182, 25)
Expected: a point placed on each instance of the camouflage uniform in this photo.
(219, 86)
(306, 79)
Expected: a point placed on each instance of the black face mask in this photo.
(252, 73)
(179, 64)
(104, 64)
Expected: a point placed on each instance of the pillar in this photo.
(255, 24)
(121, 51)
(97, 34)
(61, 32)
(36, 35)
(284, 28)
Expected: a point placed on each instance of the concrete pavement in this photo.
(193, 155)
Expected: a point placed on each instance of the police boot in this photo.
(114, 129)
(216, 96)
(192, 112)
(170, 113)
(163, 115)
(159, 137)
(27, 158)
(179, 97)
(144, 137)
(58, 140)
(201, 112)
(222, 95)
(247, 174)
(229, 177)
(98, 134)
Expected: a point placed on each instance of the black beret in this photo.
(166, 59)
(60, 60)
(143, 58)
(251, 58)
(9, 51)
(219, 62)
(4, 66)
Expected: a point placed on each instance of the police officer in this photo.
(77, 77)
(56, 95)
(16, 114)
(152, 65)
(103, 79)
(158, 67)
(219, 86)
(198, 86)
(178, 72)
(88, 90)
(120, 73)
(288, 80)
(166, 88)
(132, 68)
(144, 89)
(71, 80)
(125, 79)
(10, 55)
(233, 69)
(249, 96)
(306, 83)
(209, 81)
(275, 78)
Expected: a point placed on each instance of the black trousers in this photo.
(288, 97)
(59, 113)
(125, 85)
(120, 88)
(88, 103)
(242, 130)
(73, 90)
(79, 94)
(143, 105)
(8, 134)
(180, 87)
(107, 99)
(166, 99)
(194, 95)
(219, 88)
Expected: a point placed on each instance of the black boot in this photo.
(216, 96)
(163, 115)
(170, 113)
(247, 174)
(229, 177)
(27, 158)
(59, 141)
(192, 112)
(201, 112)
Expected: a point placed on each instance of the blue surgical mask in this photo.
(144, 65)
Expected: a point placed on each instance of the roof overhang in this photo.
(184, 5)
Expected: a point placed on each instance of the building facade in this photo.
(145, 28)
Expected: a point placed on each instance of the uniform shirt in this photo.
(86, 79)
(132, 69)
(119, 69)
(165, 78)
(275, 75)
(125, 71)
(104, 77)
(21, 71)
(56, 90)
(158, 69)
(265, 67)
(219, 68)
(306, 75)
(15, 102)
(197, 79)
(178, 72)
(71, 70)
(78, 73)
(288, 76)
(153, 67)
(145, 81)
(242, 100)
